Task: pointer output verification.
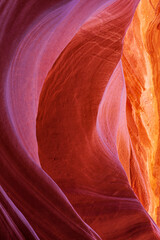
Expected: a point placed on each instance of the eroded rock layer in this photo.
(79, 123)
(141, 68)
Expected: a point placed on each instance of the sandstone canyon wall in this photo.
(79, 121)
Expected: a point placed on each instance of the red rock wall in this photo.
(79, 122)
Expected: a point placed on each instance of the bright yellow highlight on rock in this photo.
(141, 63)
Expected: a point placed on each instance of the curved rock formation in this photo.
(79, 154)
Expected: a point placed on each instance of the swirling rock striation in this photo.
(68, 161)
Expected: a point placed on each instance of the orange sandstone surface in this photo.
(141, 65)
